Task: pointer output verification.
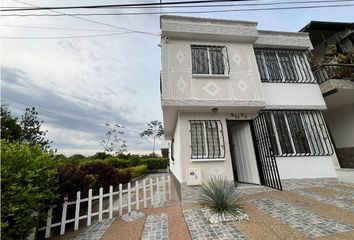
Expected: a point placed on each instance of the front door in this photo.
(266, 159)
(244, 156)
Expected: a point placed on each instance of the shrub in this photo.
(72, 179)
(28, 180)
(155, 163)
(91, 174)
(100, 155)
(220, 196)
(118, 163)
(135, 171)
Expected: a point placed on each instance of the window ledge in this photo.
(210, 76)
(207, 159)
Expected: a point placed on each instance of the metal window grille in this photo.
(207, 139)
(211, 60)
(279, 65)
(297, 133)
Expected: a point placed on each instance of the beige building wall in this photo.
(242, 84)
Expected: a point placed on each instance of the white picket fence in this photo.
(146, 186)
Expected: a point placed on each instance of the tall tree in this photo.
(27, 129)
(114, 142)
(154, 130)
(10, 128)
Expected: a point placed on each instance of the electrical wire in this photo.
(63, 37)
(228, 5)
(180, 12)
(57, 28)
(93, 21)
(124, 5)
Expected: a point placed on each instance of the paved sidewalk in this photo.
(155, 227)
(201, 229)
(311, 224)
(95, 231)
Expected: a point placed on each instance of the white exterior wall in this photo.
(341, 124)
(208, 167)
(306, 167)
(176, 165)
(293, 96)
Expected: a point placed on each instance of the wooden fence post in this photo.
(120, 199)
(144, 189)
(137, 195)
(49, 222)
(89, 207)
(110, 202)
(77, 211)
(151, 192)
(63, 216)
(164, 188)
(129, 198)
(100, 205)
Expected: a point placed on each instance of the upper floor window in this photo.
(210, 60)
(296, 133)
(276, 65)
(207, 139)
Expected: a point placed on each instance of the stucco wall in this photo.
(293, 96)
(208, 168)
(341, 124)
(306, 167)
(242, 84)
(176, 165)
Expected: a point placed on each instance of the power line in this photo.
(181, 12)
(61, 37)
(124, 5)
(92, 21)
(227, 5)
(58, 28)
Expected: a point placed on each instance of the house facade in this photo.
(241, 103)
(333, 43)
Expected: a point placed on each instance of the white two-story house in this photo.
(242, 103)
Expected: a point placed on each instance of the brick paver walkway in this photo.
(341, 203)
(201, 229)
(95, 231)
(155, 227)
(311, 224)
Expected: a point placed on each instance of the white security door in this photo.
(245, 157)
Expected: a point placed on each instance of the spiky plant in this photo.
(220, 196)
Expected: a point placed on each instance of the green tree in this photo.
(154, 130)
(27, 130)
(10, 128)
(28, 185)
(113, 142)
(31, 129)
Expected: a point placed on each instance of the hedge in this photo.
(135, 171)
(28, 185)
(155, 163)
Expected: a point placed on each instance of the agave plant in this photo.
(220, 196)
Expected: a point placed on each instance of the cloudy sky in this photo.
(79, 84)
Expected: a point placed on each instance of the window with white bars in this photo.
(207, 139)
(210, 60)
(294, 133)
(279, 65)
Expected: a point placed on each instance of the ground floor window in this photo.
(207, 139)
(297, 133)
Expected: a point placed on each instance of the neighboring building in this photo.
(241, 102)
(337, 87)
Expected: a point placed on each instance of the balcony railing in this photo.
(334, 71)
